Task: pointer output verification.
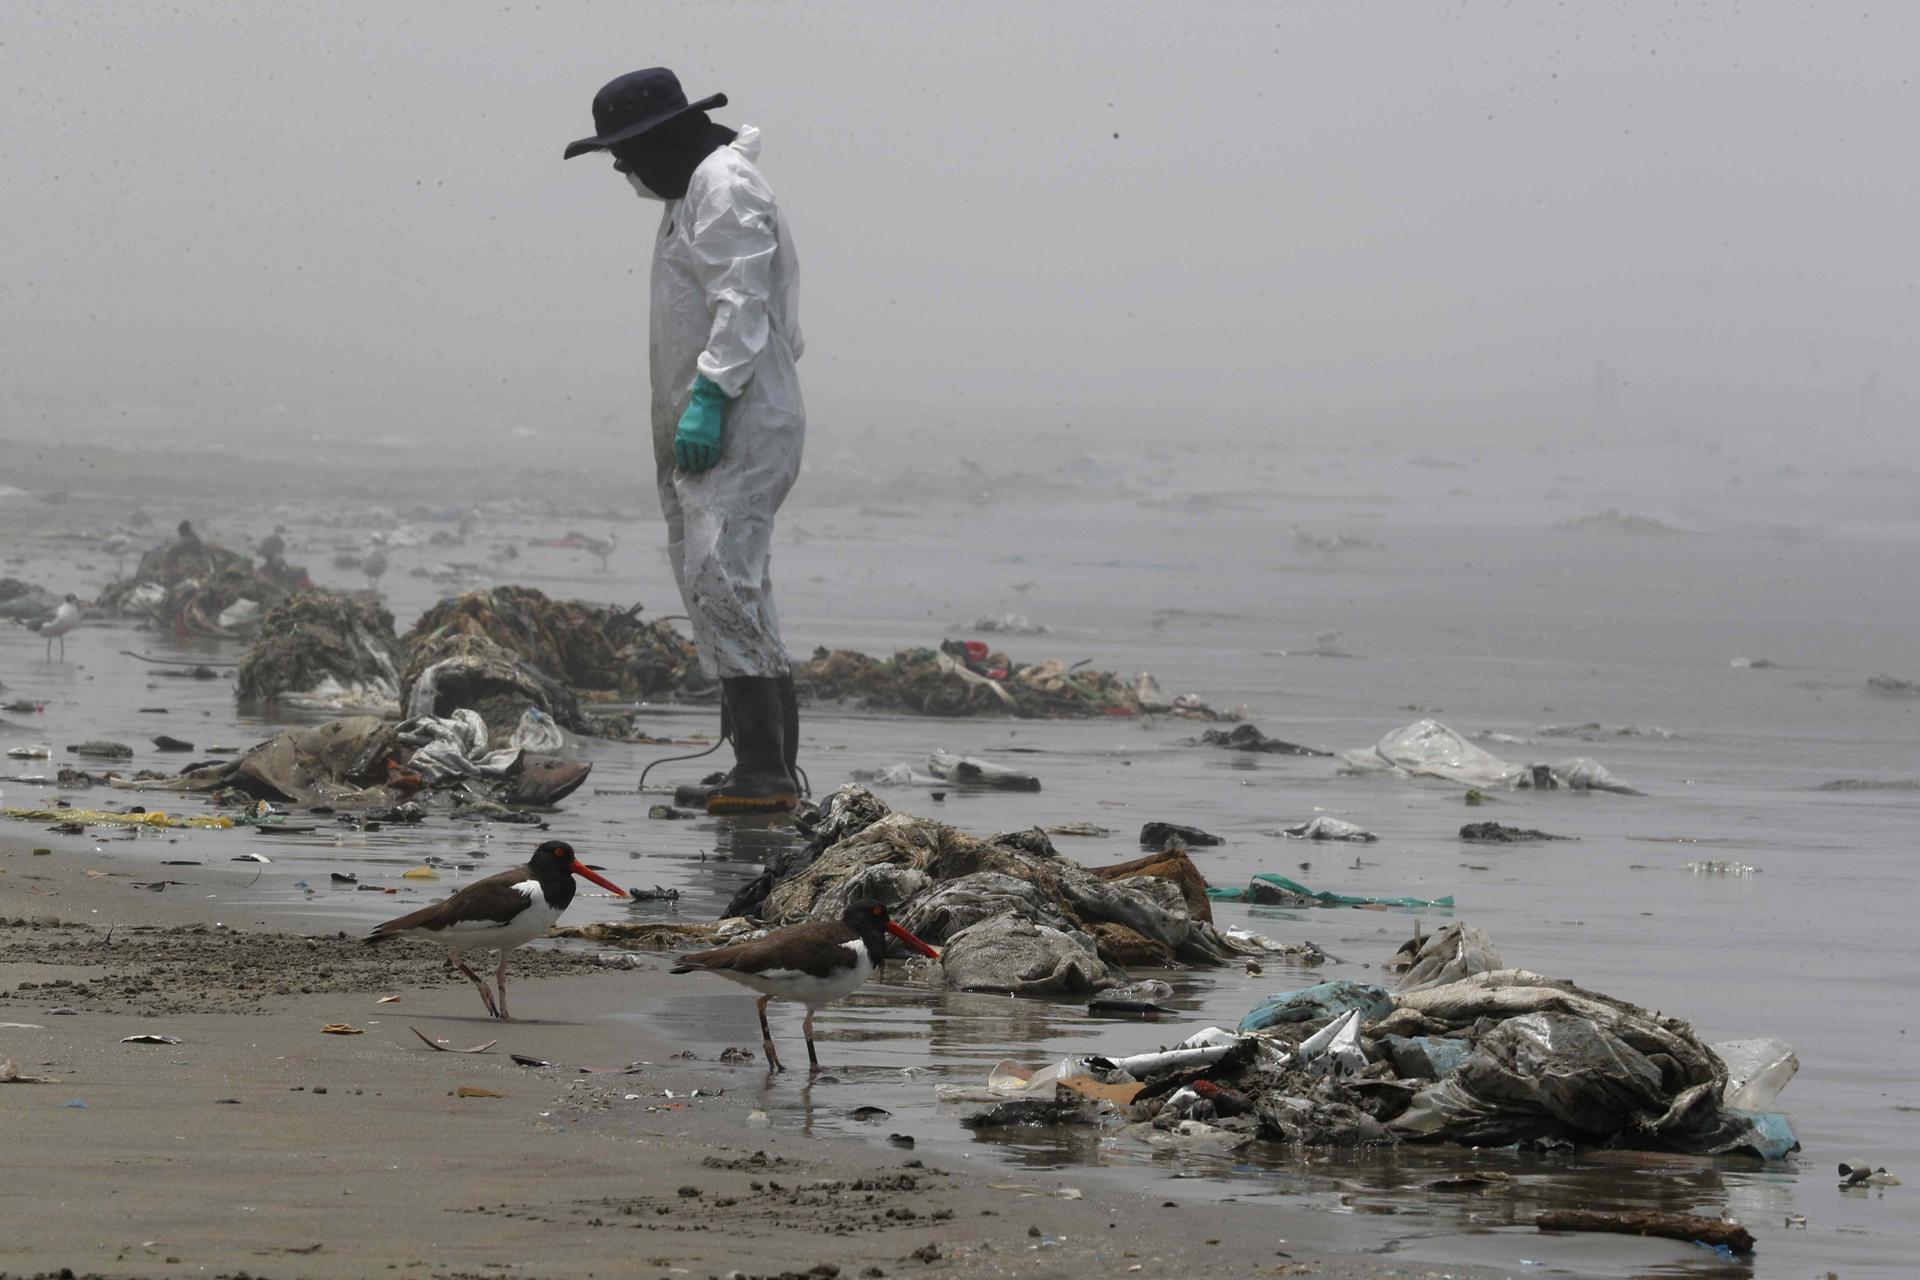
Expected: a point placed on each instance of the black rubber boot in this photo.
(790, 727)
(693, 795)
(759, 782)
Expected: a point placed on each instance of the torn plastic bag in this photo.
(971, 771)
(1456, 951)
(1428, 749)
(1335, 1048)
(1325, 828)
(1319, 1003)
(1757, 1070)
(454, 746)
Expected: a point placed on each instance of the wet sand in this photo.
(1487, 602)
(259, 1143)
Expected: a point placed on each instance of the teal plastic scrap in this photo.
(1768, 1134)
(1426, 1057)
(1346, 899)
(1319, 1003)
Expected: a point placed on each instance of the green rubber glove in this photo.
(696, 441)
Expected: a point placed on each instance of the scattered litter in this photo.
(1015, 624)
(868, 1113)
(655, 894)
(519, 1059)
(441, 1048)
(1712, 1232)
(971, 771)
(1495, 833)
(37, 752)
(1717, 868)
(1326, 828)
(150, 1038)
(1428, 749)
(10, 1070)
(419, 873)
(73, 1104)
(341, 1029)
(1861, 1175)
(1090, 829)
(1480, 1180)
(251, 857)
(1271, 889)
(475, 1091)
(388, 1000)
(100, 750)
(1244, 737)
(902, 1140)
(343, 877)
(1161, 835)
(136, 819)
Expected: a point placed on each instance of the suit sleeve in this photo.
(734, 235)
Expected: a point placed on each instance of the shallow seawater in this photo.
(1475, 611)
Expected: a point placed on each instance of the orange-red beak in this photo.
(912, 941)
(582, 869)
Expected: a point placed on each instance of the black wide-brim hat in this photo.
(636, 103)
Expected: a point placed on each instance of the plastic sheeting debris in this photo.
(1428, 749)
(1276, 889)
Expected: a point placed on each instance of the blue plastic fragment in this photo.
(73, 1104)
(1319, 1003)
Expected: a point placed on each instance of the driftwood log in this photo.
(1672, 1226)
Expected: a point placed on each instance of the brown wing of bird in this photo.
(817, 949)
(493, 899)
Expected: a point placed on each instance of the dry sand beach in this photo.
(258, 1144)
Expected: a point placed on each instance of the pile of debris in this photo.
(495, 652)
(1013, 914)
(196, 588)
(364, 762)
(966, 678)
(457, 670)
(324, 649)
(1462, 1052)
(595, 649)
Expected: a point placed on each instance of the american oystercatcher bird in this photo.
(502, 912)
(814, 963)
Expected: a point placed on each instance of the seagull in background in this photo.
(373, 566)
(55, 625)
(602, 547)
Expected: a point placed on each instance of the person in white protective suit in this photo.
(728, 421)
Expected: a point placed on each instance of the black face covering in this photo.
(665, 158)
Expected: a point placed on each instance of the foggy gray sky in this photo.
(1424, 222)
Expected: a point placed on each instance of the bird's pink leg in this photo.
(500, 980)
(486, 996)
(766, 1035)
(806, 1025)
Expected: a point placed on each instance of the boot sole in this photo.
(718, 806)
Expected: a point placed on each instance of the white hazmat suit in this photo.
(725, 306)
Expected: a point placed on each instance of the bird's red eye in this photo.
(879, 911)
